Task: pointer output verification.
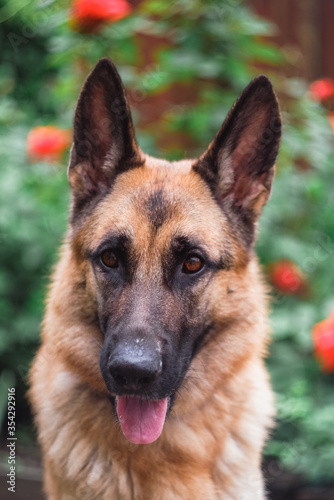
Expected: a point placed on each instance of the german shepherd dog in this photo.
(150, 382)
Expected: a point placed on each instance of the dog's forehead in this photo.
(160, 199)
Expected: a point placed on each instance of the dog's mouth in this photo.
(141, 420)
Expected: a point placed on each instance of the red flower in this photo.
(322, 89)
(47, 143)
(323, 338)
(287, 277)
(89, 15)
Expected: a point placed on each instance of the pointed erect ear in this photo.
(104, 143)
(239, 163)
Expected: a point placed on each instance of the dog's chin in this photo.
(141, 419)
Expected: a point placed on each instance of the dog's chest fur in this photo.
(212, 452)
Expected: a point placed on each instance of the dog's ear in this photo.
(104, 143)
(240, 162)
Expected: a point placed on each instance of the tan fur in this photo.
(210, 447)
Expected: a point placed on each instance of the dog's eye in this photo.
(192, 264)
(109, 258)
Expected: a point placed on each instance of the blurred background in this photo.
(183, 63)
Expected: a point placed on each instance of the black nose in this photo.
(135, 371)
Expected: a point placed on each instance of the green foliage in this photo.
(212, 49)
(298, 224)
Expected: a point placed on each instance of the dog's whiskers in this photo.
(97, 342)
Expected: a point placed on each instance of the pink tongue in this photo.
(141, 420)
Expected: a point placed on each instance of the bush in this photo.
(206, 52)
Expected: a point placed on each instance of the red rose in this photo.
(322, 89)
(47, 143)
(323, 338)
(89, 15)
(287, 277)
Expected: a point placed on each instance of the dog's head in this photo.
(164, 246)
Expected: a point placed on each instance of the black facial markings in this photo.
(180, 249)
(183, 245)
(198, 344)
(158, 209)
(176, 317)
(120, 245)
(118, 242)
(225, 262)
